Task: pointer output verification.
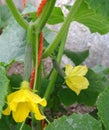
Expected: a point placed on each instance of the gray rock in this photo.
(80, 38)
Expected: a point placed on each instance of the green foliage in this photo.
(103, 107)
(75, 122)
(29, 12)
(12, 43)
(15, 81)
(49, 36)
(5, 16)
(44, 84)
(4, 82)
(96, 86)
(101, 70)
(67, 97)
(7, 123)
(29, 9)
(77, 57)
(56, 16)
(94, 21)
(25, 127)
(100, 6)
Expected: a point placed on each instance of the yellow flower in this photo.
(75, 78)
(22, 102)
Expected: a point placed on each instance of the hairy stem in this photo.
(16, 14)
(28, 55)
(42, 19)
(36, 60)
(22, 126)
(27, 62)
(54, 73)
(63, 29)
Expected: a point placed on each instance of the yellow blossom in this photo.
(24, 101)
(75, 78)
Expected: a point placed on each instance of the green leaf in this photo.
(101, 69)
(101, 6)
(103, 73)
(96, 86)
(77, 57)
(5, 16)
(29, 9)
(56, 16)
(94, 21)
(15, 81)
(12, 43)
(25, 127)
(29, 12)
(7, 123)
(43, 87)
(4, 82)
(75, 122)
(49, 35)
(67, 97)
(59, 81)
(103, 107)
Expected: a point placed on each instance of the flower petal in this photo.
(35, 109)
(21, 112)
(32, 97)
(13, 106)
(77, 83)
(22, 102)
(17, 96)
(7, 111)
(68, 69)
(38, 114)
(43, 102)
(79, 70)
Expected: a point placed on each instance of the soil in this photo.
(16, 68)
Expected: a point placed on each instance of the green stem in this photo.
(17, 15)
(36, 61)
(28, 55)
(39, 125)
(27, 62)
(22, 126)
(42, 19)
(39, 77)
(34, 45)
(63, 29)
(58, 68)
(51, 84)
(54, 73)
(34, 123)
(61, 49)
